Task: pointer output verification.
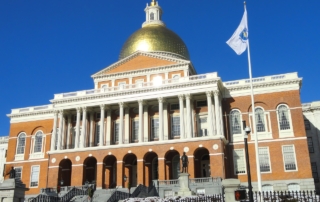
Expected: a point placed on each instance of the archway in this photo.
(109, 172)
(130, 169)
(172, 169)
(201, 163)
(150, 169)
(89, 170)
(64, 175)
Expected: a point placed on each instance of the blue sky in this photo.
(54, 46)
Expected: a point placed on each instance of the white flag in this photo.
(239, 39)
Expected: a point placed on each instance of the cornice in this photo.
(136, 54)
(120, 75)
(310, 109)
(136, 91)
(263, 84)
(26, 114)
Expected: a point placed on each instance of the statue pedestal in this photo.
(12, 190)
(184, 185)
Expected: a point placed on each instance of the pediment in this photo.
(139, 61)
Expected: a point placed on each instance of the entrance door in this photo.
(205, 168)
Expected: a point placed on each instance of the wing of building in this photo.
(149, 107)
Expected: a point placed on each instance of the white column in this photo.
(121, 104)
(76, 142)
(101, 125)
(221, 117)
(165, 121)
(63, 137)
(83, 130)
(69, 130)
(182, 136)
(140, 121)
(146, 123)
(130, 80)
(148, 78)
(126, 126)
(91, 128)
(108, 137)
(217, 112)
(214, 127)
(60, 129)
(54, 131)
(166, 75)
(160, 99)
(189, 124)
(209, 121)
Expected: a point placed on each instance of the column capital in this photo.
(209, 93)
(122, 104)
(161, 100)
(188, 96)
(61, 111)
(181, 96)
(78, 109)
(55, 112)
(102, 106)
(84, 109)
(141, 102)
(216, 92)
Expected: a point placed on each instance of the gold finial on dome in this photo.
(153, 3)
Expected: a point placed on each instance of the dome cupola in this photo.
(154, 36)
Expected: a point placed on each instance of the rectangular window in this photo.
(202, 103)
(264, 159)
(310, 145)
(203, 126)
(18, 172)
(116, 131)
(314, 172)
(174, 107)
(155, 128)
(289, 158)
(175, 126)
(121, 85)
(139, 83)
(135, 130)
(307, 124)
(35, 170)
(239, 161)
(97, 134)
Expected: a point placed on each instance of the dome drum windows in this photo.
(284, 121)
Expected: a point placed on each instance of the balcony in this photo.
(153, 84)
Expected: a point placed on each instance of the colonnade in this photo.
(187, 126)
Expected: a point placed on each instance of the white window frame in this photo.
(235, 162)
(114, 131)
(121, 85)
(284, 160)
(21, 167)
(176, 77)
(104, 87)
(202, 115)
(139, 83)
(267, 188)
(34, 142)
(236, 137)
(287, 132)
(24, 146)
(97, 134)
(175, 116)
(293, 187)
(37, 177)
(269, 161)
(134, 131)
(267, 134)
(152, 127)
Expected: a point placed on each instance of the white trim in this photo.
(273, 140)
(267, 134)
(288, 132)
(75, 165)
(217, 154)
(244, 161)
(239, 136)
(269, 157)
(28, 161)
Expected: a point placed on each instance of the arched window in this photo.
(260, 120)
(151, 16)
(267, 188)
(38, 142)
(21, 143)
(283, 117)
(235, 122)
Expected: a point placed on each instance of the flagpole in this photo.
(253, 114)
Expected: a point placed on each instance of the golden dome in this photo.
(154, 37)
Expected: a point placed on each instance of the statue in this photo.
(185, 162)
(12, 173)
